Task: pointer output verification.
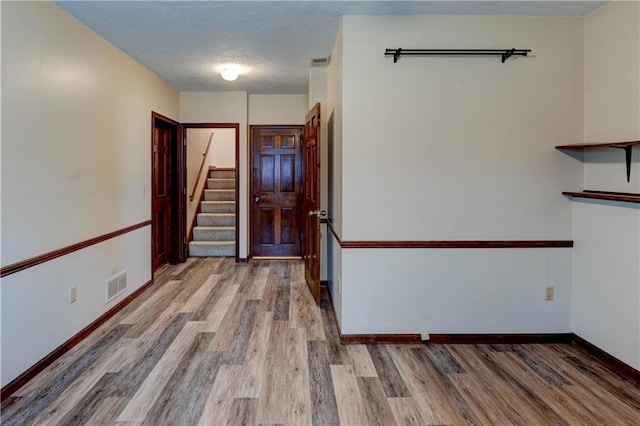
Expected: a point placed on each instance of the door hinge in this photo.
(185, 240)
(184, 191)
(184, 142)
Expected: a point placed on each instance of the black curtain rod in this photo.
(503, 53)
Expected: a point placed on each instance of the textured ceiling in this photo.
(185, 42)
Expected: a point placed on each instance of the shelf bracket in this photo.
(627, 155)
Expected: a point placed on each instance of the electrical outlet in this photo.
(548, 292)
(73, 294)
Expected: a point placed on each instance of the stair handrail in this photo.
(204, 157)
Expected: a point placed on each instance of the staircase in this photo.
(215, 231)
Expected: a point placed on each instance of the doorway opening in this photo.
(212, 188)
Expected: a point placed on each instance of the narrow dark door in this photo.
(276, 188)
(311, 210)
(161, 203)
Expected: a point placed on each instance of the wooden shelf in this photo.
(627, 197)
(589, 146)
(625, 146)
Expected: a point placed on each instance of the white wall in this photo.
(197, 140)
(224, 107)
(334, 193)
(606, 288)
(458, 148)
(222, 153)
(76, 164)
(612, 93)
(223, 149)
(455, 291)
(277, 109)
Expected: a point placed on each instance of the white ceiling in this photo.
(185, 41)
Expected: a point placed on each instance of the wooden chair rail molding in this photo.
(36, 260)
(204, 158)
(449, 244)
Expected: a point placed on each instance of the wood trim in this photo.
(356, 339)
(627, 197)
(494, 339)
(587, 146)
(177, 251)
(455, 244)
(375, 339)
(236, 127)
(242, 260)
(452, 244)
(37, 260)
(155, 115)
(10, 388)
(212, 125)
(333, 231)
(613, 363)
(204, 157)
(198, 211)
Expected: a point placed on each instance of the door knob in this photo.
(317, 213)
(256, 198)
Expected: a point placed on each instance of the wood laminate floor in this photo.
(214, 342)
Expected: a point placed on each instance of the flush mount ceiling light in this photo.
(229, 74)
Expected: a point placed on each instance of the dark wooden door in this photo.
(311, 210)
(276, 190)
(160, 190)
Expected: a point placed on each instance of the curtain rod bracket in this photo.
(396, 55)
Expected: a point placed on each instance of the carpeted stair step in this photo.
(219, 195)
(212, 248)
(222, 174)
(214, 233)
(221, 183)
(216, 219)
(218, 207)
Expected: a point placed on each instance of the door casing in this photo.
(176, 252)
(252, 189)
(236, 127)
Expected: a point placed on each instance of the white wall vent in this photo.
(116, 285)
